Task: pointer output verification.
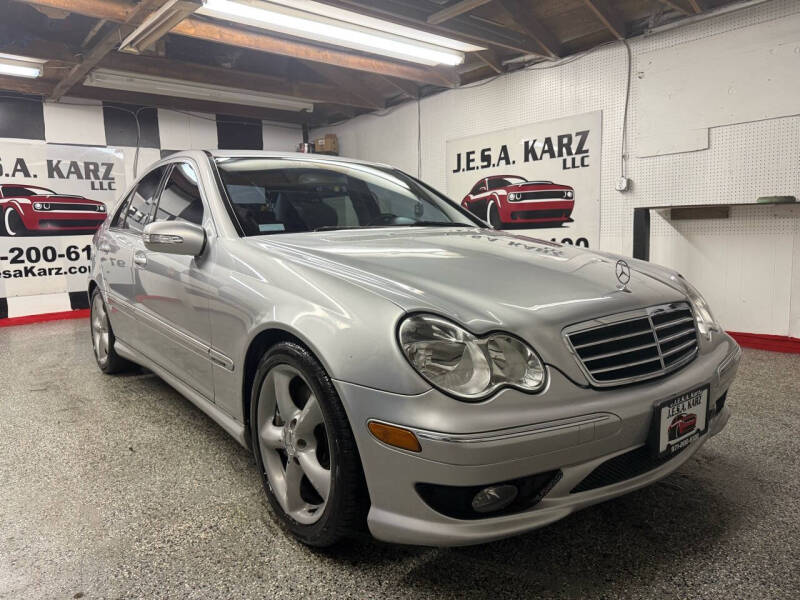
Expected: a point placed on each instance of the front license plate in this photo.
(680, 421)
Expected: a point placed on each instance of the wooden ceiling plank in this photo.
(489, 57)
(197, 73)
(697, 6)
(463, 27)
(609, 16)
(115, 10)
(349, 81)
(675, 6)
(101, 49)
(523, 15)
(34, 87)
(458, 8)
(404, 87)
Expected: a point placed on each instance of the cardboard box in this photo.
(329, 144)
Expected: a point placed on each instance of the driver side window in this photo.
(479, 188)
(140, 208)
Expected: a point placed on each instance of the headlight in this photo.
(37, 205)
(512, 196)
(452, 359)
(706, 323)
(569, 194)
(101, 208)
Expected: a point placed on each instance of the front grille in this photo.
(73, 206)
(652, 343)
(621, 468)
(58, 223)
(540, 214)
(542, 195)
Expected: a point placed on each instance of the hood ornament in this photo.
(623, 272)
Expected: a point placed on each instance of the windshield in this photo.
(17, 190)
(277, 195)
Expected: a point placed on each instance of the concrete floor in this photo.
(117, 487)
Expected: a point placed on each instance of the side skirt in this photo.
(233, 427)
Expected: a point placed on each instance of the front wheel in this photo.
(304, 448)
(493, 216)
(13, 224)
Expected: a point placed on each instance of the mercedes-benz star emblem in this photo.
(623, 274)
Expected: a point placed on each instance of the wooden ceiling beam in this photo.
(195, 72)
(406, 88)
(349, 81)
(463, 27)
(609, 16)
(34, 87)
(120, 12)
(106, 44)
(523, 15)
(453, 10)
(269, 84)
(698, 6)
(675, 6)
(489, 57)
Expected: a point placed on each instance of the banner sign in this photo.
(52, 199)
(544, 176)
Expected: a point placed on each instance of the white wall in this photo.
(748, 265)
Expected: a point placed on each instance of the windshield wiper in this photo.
(435, 224)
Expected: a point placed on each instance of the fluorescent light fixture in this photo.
(162, 86)
(20, 66)
(320, 28)
(348, 16)
(158, 24)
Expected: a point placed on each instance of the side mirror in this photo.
(175, 237)
(482, 189)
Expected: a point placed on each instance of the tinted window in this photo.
(141, 202)
(477, 189)
(286, 195)
(180, 200)
(11, 191)
(119, 216)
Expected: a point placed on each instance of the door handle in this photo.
(140, 259)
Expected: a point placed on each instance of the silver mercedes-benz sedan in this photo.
(393, 362)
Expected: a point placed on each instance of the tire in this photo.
(12, 223)
(103, 338)
(281, 447)
(493, 216)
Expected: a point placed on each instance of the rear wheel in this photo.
(305, 449)
(12, 223)
(103, 339)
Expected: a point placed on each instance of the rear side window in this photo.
(139, 208)
(119, 216)
(181, 200)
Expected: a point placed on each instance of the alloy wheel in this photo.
(100, 329)
(294, 444)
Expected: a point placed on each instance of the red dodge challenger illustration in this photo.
(681, 425)
(30, 210)
(504, 200)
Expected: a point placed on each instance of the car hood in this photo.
(484, 279)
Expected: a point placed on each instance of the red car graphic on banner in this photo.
(681, 425)
(32, 210)
(510, 200)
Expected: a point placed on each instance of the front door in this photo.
(172, 291)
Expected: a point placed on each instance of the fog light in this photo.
(494, 497)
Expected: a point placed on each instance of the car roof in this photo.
(199, 155)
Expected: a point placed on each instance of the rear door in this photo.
(171, 292)
(116, 253)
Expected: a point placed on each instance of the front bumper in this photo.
(568, 428)
(539, 211)
(55, 220)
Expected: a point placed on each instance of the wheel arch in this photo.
(258, 346)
